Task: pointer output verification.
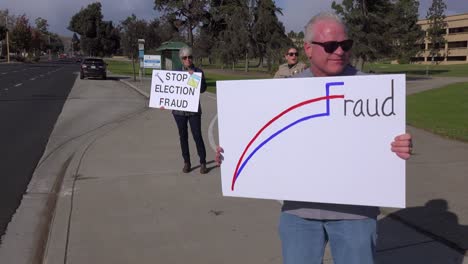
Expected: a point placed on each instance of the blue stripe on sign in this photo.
(152, 61)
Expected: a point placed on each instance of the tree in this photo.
(268, 32)
(368, 25)
(406, 33)
(300, 35)
(3, 31)
(87, 20)
(87, 23)
(42, 25)
(36, 41)
(4, 18)
(40, 35)
(229, 29)
(109, 38)
(75, 43)
(56, 44)
(437, 28)
(21, 34)
(152, 35)
(132, 29)
(168, 30)
(6, 24)
(97, 37)
(186, 14)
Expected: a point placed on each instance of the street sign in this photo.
(141, 48)
(152, 61)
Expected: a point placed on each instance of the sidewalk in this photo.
(125, 200)
(434, 227)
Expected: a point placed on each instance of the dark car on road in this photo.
(93, 67)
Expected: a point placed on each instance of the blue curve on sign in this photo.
(327, 113)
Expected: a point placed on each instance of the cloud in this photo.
(297, 13)
(59, 12)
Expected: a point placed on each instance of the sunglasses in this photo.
(290, 54)
(187, 57)
(331, 46)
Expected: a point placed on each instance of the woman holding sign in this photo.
(183, 118)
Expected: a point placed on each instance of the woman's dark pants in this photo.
(195, 126)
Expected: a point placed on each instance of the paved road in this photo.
(93, 107)
(31, 99)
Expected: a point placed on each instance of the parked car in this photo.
(93, 67)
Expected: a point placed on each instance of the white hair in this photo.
(309, 30)
(185, 51)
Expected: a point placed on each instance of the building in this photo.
(456, 46)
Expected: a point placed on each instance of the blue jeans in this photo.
(303, 240)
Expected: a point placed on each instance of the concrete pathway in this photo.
(124, 199)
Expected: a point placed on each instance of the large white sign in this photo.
(152, 61)
(175, 90)
(313, 139)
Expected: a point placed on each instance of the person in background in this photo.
(184, 118)
(293, 65)
(306, 227)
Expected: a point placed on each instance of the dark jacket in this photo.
(202, 90)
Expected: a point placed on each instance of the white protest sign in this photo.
(152, 61)
(313, 139)
(175, 90)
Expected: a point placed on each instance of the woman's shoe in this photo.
(187, 167)
(203, 169)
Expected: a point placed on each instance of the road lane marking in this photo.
(18, 84)
(211, 126)
(210, 132)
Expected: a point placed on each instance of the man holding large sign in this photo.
(180, 91)
(305, 227)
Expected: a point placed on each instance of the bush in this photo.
(403, 61)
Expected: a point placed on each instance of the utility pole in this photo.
(7, 41)
(50, 56)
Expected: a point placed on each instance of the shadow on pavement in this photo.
(117, 78)
(109, 78)
(210, 168)
(439, 238)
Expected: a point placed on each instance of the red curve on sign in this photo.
(272, 121)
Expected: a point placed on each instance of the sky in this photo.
(58, 13)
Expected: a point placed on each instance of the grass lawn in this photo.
(211, 79)
(442, 111)
(457, 70)
(126, 68)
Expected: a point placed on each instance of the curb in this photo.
(136, 88)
